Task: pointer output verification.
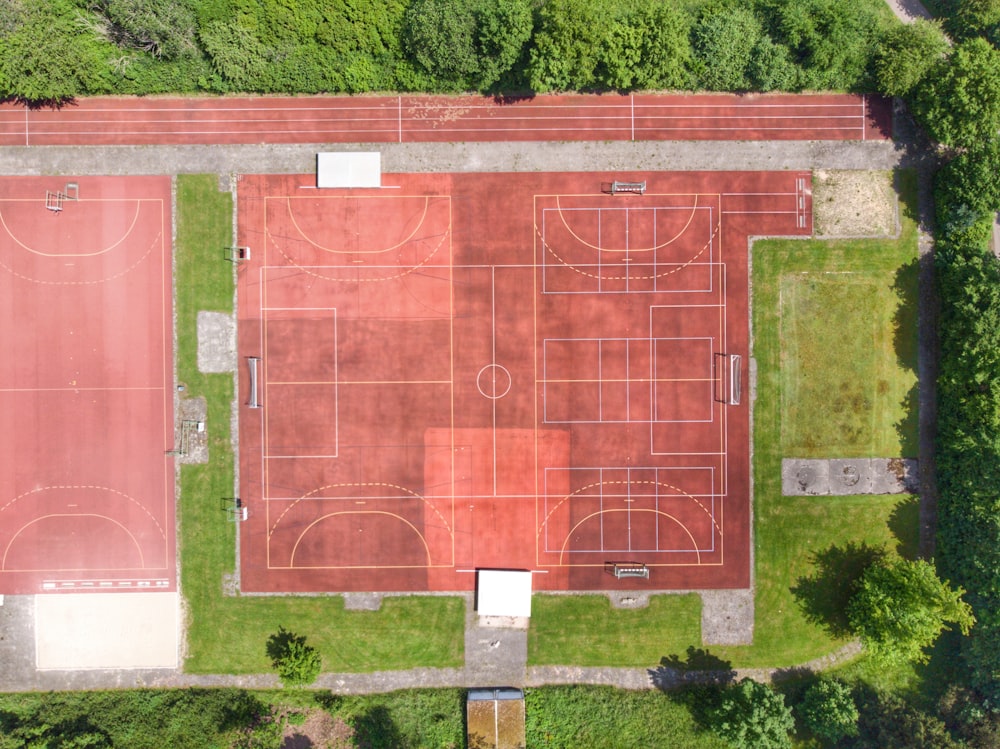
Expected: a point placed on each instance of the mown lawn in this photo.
(843, 348)
(227, 634)
(587, 631)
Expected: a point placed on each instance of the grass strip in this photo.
(587, 631)
(227, 634)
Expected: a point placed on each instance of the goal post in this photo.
(621, 187)
(236, 254)
(622, 570)
(236, 511)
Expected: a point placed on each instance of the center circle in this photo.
(493, 381)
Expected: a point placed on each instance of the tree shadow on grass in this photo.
(823, 596)
(905, 342)
(904, 522)
(374, 729)
(697, 667)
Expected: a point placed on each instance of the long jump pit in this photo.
(545, 372)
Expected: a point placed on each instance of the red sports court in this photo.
(86, 385)
(523, 371)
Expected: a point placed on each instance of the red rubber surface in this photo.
(499, 370)
(413, 119)
(86, 401)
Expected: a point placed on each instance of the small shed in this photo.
(349, 169)
(495, 718)
(504, 597)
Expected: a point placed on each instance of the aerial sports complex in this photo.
(438, 373)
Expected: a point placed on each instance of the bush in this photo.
(752, 716)
(828, 710)
(296, 663)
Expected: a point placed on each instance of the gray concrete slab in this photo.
(803, 477)
(216, 341)
(850, 476)
(727, 617)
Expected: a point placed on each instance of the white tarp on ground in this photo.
(106, 630)
(504, 593)
(349, 169)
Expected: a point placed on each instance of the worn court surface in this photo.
(86, 406)
(499, 370)
(445, 119)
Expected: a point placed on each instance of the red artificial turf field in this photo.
(418, 119)
(500, 371)
(86, 396)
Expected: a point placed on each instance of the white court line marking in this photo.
(95, 253)
(335, 251)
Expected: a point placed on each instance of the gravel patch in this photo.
(216, 342)
(727, 617)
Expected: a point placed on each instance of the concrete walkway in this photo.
(909, 11)
(494, 657)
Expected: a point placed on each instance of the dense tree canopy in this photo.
(901, 607)
(959, 102)
(307, 46)
(751, 715)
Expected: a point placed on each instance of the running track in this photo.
(409, 119)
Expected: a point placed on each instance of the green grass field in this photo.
(227, 634)
(587, 631)
(861, 290)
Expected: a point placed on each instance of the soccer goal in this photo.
(627, 569)
(626, 188)
(236, 511)
(728, 382)
(54, 199)
(236, 254)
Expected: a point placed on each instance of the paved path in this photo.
(909, 11)
(494, 657)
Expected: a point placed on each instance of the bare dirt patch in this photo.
(854, 204)
(320, 730)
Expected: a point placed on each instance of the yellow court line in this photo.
(678, 267)
(358, 382)
(643, 380)
(694, 543)
(423, 217)
(624, 250)
(138, 548)
(423, 540)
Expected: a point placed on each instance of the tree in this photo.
(752, 716)
(833, 40)
(959, 101)
(568, 39)
(647, 46)
(887, 722)
(49, 58)
(828, 710)
(906, 53)
(297, 664)
(901, 607)
(723, 41)
(165, 29)
(467, 44)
